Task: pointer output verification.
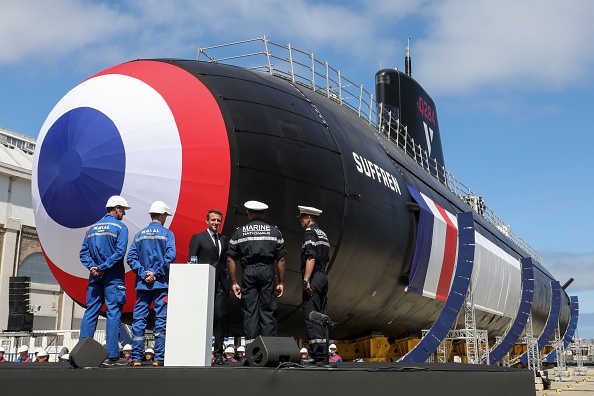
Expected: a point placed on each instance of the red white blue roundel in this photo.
(144, 130)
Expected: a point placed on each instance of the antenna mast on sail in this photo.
(407, 61)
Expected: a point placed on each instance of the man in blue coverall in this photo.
(102, 252)
(151, 253)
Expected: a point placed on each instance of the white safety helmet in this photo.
(229, 349)
(241, 349)
(303, 350)
(2, 349)
(149, 350)
(65, 356)
(116, 200)
(23, 348)
(127, 347)
(42, 353)
(332, 346)
(160, 207)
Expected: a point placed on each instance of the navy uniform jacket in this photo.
(203, 247)
(316, 245)
(104, 247)
(257, 242)
(153, 249)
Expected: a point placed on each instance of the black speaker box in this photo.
(271, 351)
(19, 279)
(20, 322)
(88, 353)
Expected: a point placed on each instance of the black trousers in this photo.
(218, 323)
(258, 300)
(316, 334)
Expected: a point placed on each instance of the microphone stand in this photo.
(327, 351)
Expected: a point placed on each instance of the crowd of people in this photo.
(40, 356)
(258, 247)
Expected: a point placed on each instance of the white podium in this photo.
(188, 340)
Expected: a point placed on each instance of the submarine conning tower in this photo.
(408, 113)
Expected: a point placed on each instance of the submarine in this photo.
(209, 134)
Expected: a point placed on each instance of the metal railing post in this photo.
(265, 39)
(291, 61)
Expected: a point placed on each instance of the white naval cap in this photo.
(255, 206)
(309, 210)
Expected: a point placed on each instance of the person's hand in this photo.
(237, 290)
(279, 290)
(308, 289)
(150, 277)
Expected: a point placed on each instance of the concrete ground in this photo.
(579, 385)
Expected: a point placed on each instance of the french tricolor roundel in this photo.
(145, 130)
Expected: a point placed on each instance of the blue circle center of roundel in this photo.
(82, 162)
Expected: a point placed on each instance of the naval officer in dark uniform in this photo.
(258, 246)
(314, 259)
(211, 247)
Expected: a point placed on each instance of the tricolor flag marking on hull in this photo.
(436, 249)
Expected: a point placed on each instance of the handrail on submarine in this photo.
(300, 67)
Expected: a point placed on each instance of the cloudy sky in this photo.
(513, 83)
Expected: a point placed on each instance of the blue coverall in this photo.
(104, 247)
(153, 249)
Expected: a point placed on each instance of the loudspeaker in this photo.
(88, 353)
(20, 321)
(271, 351)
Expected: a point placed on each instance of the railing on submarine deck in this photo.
(301, 68)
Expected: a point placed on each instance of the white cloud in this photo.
(45, 31)
(530, 44)
(565, 265)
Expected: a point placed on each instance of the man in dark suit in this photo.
(211, 247)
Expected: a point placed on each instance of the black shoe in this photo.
(110, 362)
(218, 360)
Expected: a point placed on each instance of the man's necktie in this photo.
(216, 241)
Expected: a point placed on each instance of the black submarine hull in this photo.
(292, 146)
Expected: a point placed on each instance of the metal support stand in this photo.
(560, 352)
(532, 348)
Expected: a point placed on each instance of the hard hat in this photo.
(303, 350)
(42, 353)
(1, 349)
(255, 206)
(229, 349)
(23, 348)
(160, 207)
(65, 356)
(308, 210)
(116, 200)
(149, 350)
(332, 346)
(241, 349)
(127, 347)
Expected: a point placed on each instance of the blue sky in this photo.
(513, 83)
